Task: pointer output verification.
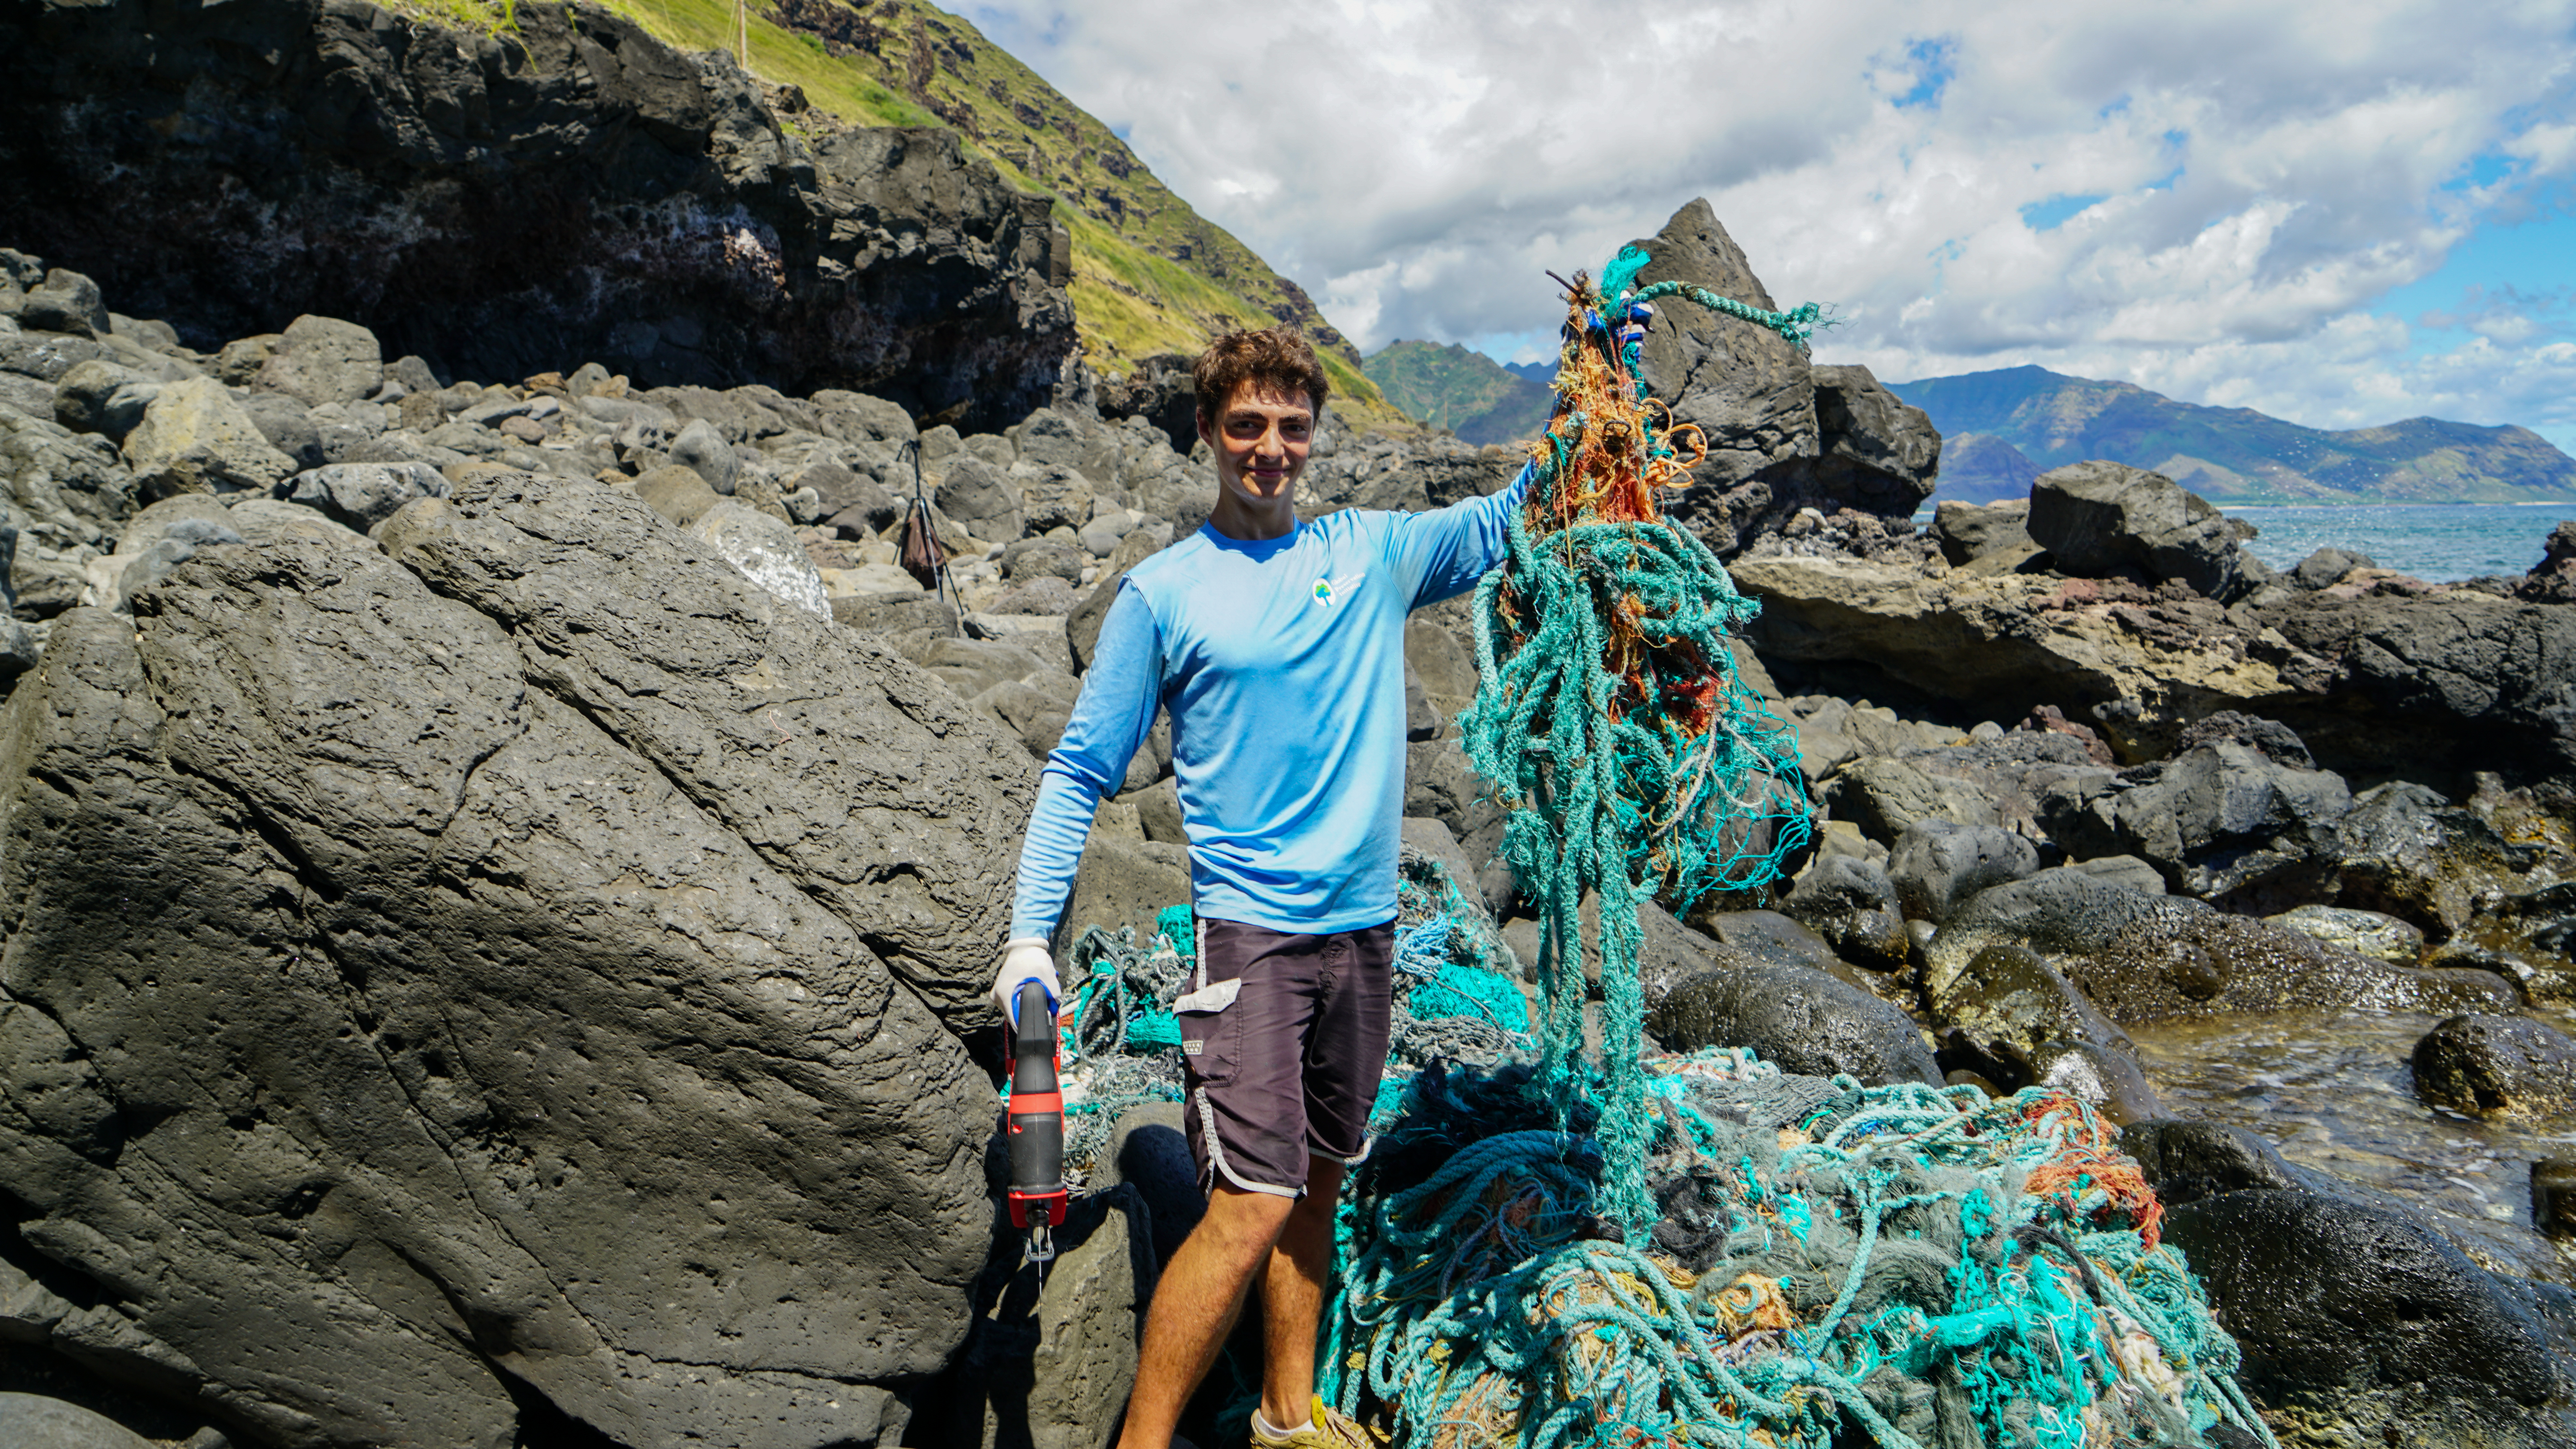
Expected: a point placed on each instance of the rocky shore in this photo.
(498, 862)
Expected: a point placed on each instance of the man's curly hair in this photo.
(1276, 360)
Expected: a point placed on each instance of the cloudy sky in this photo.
(2342, 213)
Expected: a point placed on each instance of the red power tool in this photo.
(1036, 1125)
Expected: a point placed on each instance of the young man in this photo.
(1278, 648)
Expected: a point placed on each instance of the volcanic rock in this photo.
(572, 188)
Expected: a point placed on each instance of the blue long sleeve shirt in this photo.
(1282, 663)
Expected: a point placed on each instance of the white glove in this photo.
(1025, 959)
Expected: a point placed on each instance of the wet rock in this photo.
(1795, 1016)
(2185, 1161)
(362, 495)
(1852, 904)
(2223, 821)
(2553, 1196)
(2007, 1014)
(2360, 1324)
(2098, 518)
(2368, 933)
(766, 552)
(320, 360)
(2141, 958)
(2497, 1066)
(1937, 866)
(195, 439)
(2405, 851)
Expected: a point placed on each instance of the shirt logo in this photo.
(1328, 591)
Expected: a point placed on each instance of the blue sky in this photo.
(2343, 215)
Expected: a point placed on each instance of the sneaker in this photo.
(1329, 1429)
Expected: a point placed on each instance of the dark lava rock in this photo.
(1937, 866)
(515, 187)
(2553, 1196)
(2327, 566)
(1801, 1019)
(1851, 904)
(2274, 739)
(2185, 1161)
(2224, 821)
(2497, 1066)
(2143, 958)
(2361, 1324)
(1032, 558)
(2097, 518)
(1758, 402)
(515, 977)
(1969, 531)
(2497, 671)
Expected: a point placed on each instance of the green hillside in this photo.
(2231, 455)
(1149, 274)
(1467, 392)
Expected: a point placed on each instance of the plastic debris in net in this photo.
(1609, 715)
(1829, 1264)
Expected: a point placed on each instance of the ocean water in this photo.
(2436, 542)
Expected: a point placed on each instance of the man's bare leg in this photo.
(1196, 1302)
(1292, 1296)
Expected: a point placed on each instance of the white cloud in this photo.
(2267, 171)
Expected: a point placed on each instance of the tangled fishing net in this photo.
(1619, 1249)
(1610, 716)
(1829, 1264)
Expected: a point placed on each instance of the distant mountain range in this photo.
(1479, 399)
(2001, 429)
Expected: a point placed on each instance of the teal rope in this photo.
(1611, 799)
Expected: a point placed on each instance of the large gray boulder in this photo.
(514, 970)
(2098, 518)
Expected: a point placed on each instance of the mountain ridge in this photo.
(1454, 387)
(2004, 425)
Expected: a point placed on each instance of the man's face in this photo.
(1261, 439)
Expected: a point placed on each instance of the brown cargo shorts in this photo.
(1283, 1038)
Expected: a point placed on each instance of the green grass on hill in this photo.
(1466, 392)
(1149, 274)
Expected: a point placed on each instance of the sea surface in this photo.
(2436, 542)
